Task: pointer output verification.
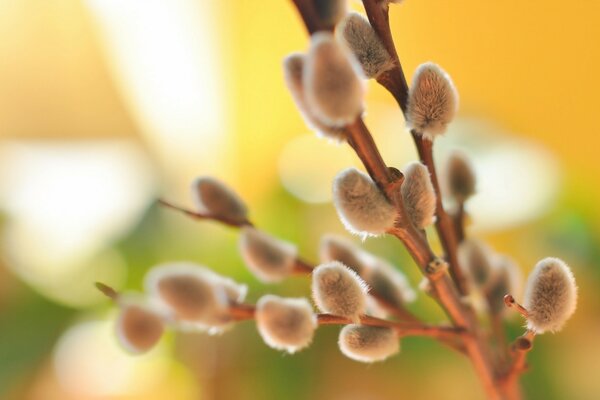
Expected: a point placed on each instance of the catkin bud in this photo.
(336, 248)
(293, 67)
(331, 11)
(333, 89)
(360, 37)
(191, 293)
(368, 343)
(550, 295)
(270, 259)
(285, 324)
(212, 197)
(432, 101)
(418, 195)
(390, 284)
(362, 207)
(460, 177)
(339, 291)
(505, 279)
(475, 258)
(139, 327)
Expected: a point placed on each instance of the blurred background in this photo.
(106, 105)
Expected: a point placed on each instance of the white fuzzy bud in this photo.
(285, 324)
(331, 12)
(459, 177)
(389, 283)
(138, 326)
(339, 291)
(360, 204)
(337, 248)
(475, 258)
(293, 67)
(270, 259)
(368, 343)
(360, 37)
(432, 101)
(506, 279)
(550, 295)
(212, 197)
(418, 195)
(192, 293)
(334, 91)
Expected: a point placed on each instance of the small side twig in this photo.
(202, 216)
(510, 302)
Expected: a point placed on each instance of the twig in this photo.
(510, 302)
(202, 216)
(519, 349)
(459, 222)
(242, 312)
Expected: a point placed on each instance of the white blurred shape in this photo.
(66, 203)
(164, 57)
(89, 361)
(308, 164)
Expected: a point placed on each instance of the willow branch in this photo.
(301, 267)
(519, 350)
(243, 312)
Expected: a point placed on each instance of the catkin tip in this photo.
(362, 207)
(284, 323)
(138, 326)
(418, 195)
(338, 290)
(550, 295)
(368, 343)
(356, 32)
(432, 101)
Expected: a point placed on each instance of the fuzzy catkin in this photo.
(368, 343)
(362, 207)
(285, 323)
(336, 248)
(214, 198)
(293, 67)
(460, 177)
(550, 295)
(358, 34)
(418, 195)
(191, 293)
(333, 88)
(475, 258)
(432, 101)
(139, 328)
(389, 283)
(270, 259)
(339, 291)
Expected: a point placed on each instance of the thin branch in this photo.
(308, 13)
(519, 349)
(510, 302)
(459, 222)
(243, 312)
(203, 216)
(107, 291)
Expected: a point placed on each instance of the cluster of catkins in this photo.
(328, 83)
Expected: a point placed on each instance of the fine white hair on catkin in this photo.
(475, 257)
(360, 204)
(389, 283)
(360, 37)
(338, 290)
(418, 195)
(270, 259)
(293, 67)
(432, 101)
(550, 295)
(285, 323)
(214, 198)
(139, 327)
(193, 293)
(331, 12)
(459, 177)
(333, 89)
(506, 278)
(337, 248)
(368, 343)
